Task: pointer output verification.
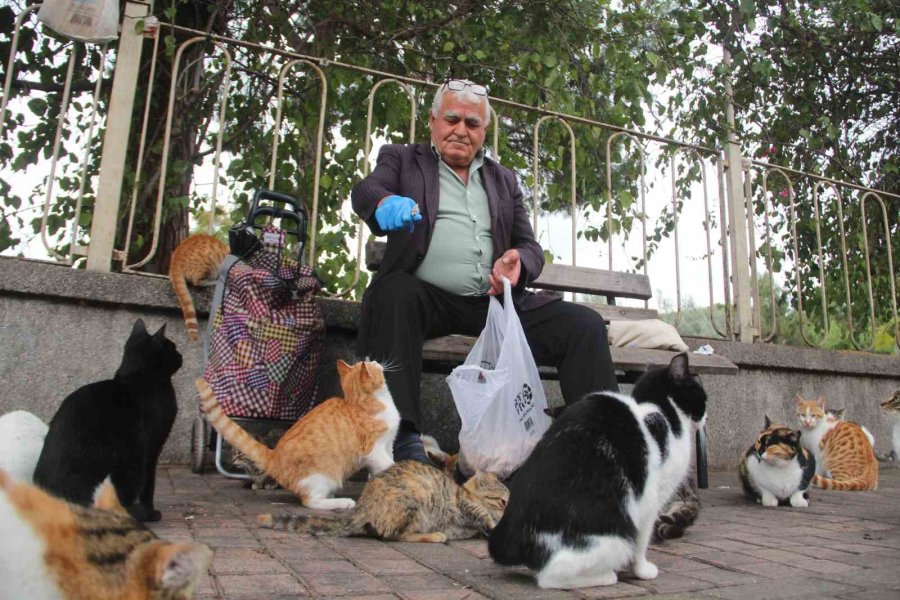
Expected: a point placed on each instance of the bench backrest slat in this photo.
(566, 278)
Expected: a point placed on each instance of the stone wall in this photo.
(61, 328)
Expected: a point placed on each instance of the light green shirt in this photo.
(459, 254)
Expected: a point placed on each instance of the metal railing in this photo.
(754, 178)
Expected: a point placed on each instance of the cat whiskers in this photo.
(390, 365)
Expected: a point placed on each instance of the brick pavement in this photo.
(845, 545)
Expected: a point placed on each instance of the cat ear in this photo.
(554, 411)
(106, 498)
(6, 481)
(139, 327)
(799, 398)
(678, 368)
(821, 400)
(179, 566)
(342, 367)
(161, 333)
(768, 422)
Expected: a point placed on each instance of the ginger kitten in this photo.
(327, 444)
(412, 502)
(54, 550)
(196, 260)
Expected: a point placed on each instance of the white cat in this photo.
(21, 440)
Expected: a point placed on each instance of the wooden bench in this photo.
(628, 362)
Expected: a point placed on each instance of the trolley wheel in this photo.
(199, 444)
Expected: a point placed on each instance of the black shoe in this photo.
(408, 446)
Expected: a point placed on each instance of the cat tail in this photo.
(256, 451)
(342, 526)
(861, 482)
(179, 286)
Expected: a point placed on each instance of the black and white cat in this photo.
(777, 469)
(115, 428)
(679, 513)
(584, 504)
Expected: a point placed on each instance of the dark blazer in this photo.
(412, 170)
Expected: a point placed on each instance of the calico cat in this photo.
(329, 443)
(892, 407)
(63, 551)
(844, 457)
(115, 428)
(196, 260)
(412, 502)
(21, 440)
(777, 469)
(679, 513)
(584, 503)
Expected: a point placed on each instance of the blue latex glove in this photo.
(396, 212)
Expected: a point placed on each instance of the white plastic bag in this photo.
(82, 20)
(498, 395)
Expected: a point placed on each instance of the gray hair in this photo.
(465, 95)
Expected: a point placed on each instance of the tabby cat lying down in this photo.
(412, 502)
(64, 551)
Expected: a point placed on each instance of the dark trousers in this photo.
(405, 311)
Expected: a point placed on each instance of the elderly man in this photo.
(455, 225)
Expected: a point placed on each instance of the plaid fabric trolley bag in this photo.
(266, 332)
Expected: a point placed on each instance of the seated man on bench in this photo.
(456, 224)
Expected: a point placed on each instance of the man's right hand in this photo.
(395, 212)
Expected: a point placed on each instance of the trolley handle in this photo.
(296, 205)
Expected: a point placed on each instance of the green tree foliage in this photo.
(815, 88)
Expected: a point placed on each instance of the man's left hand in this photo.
(508, 266)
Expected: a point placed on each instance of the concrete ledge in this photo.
(54, 281)
(49, 280)
(773, 357)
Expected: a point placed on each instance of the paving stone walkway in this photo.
(845, 545)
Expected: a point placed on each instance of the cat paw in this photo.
(800, 500)
(332, 503)
(644, 569)
(769, 501)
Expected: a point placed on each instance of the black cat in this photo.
(115, 428)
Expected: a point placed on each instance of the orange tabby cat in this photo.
(849, 458)
(329, 443)
(54, 550)
(196, 260)
(844, 456)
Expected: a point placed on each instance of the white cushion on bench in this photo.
(645, 333)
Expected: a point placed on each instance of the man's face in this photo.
(458, 131)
